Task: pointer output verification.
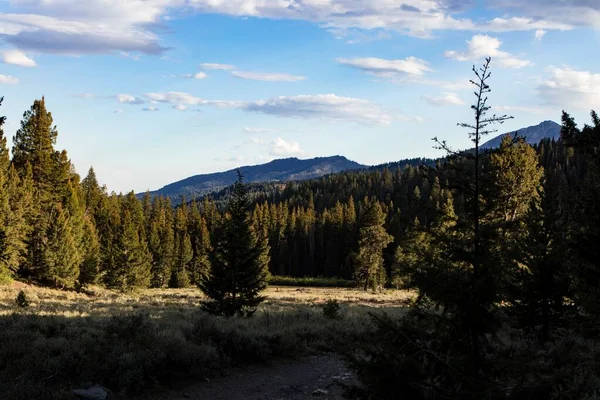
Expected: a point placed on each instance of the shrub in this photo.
(22, 300)
(331, 309)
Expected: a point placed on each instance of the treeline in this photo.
(62, 231)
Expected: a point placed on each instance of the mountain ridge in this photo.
(295, 169)
(532, 134)
(279, 170)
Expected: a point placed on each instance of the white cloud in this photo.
(179, 107)
(267, 76)
(225, 67)
(83, 95)
(539, 34)
(9, 80)
(129, 99)
(522, 24)
(446, 99)
(571, 13)
(481, 46)
(323, 106)
(411, 66)
(282, 148)
(568, 87)
(199, 75)
(118, 111)
(17, 57)
(76, 27)
(150, 109)
(186, 99)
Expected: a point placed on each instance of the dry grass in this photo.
(129, 342)
(102, 302)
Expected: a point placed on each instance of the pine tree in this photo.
(134, 268)
(49, 171)
(199, 266)
(161, 242)
(369, 271)
(183, 252)
(61, 255)
(7, 264)
(92, 193)
(239, 262)
(89, 269)
(33, 144)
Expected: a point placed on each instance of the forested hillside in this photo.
(64, 231)
(281, 171)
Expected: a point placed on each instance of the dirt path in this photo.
(315, 377)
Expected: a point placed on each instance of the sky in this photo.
(149, 92)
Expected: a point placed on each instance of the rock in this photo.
(93, 393)
(320, 392)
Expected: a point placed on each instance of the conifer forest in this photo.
(495, 250)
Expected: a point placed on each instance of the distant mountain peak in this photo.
(279, 170)
(532, 134)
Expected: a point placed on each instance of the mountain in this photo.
(532, 134)
(282, 170)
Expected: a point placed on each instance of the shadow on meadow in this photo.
(132, 343)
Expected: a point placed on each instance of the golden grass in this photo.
(102, 302)
(129, 341)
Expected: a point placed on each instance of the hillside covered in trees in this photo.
(312, 226)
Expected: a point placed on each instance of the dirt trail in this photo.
(315, 377)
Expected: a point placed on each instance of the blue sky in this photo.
(153, 91)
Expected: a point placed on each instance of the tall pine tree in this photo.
(239, 262)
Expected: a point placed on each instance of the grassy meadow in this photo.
(131, 343)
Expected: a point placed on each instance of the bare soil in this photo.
(315, 377)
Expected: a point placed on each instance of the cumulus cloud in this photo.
(324, 106)
(78, 27)
(9, 80)
(282, 148)
(118, 111)
(446, 99)
(267, 76)
(539, 34)
(16, 57)
(129, 99)
(150, 109)
(486, 46)
(225, 67)
(568, 86)
(410, 66)
(571, 13)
